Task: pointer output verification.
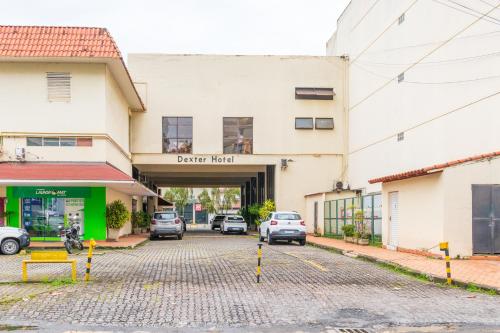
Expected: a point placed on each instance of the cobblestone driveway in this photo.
(207, 280)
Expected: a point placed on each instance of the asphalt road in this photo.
(206, 283)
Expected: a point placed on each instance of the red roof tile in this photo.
(43, 41)
(432, 168)
(61, 171)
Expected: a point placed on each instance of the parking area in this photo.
(203, 282)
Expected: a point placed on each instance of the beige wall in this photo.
(421, 212)
(97, 108)
(379, 49)
(309, 216)
(458, 201)
(2, 191)
(112, 195)
(209, 88)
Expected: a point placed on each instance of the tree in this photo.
(179, 196)
(207, 201)
(216, 198)
(230, 197)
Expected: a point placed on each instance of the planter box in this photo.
(113, 234)
(362, 241)
(349, 239)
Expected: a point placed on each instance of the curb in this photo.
(410, 271)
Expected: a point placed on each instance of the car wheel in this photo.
(10, 246)
(179, 236)
(152, 237)
(270, 240)
(302, 242)
(261, 239)
(289, 241)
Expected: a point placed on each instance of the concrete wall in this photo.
(458, 201)
(309, 216)
(112, 195)
(422, 106)
(209, 88)
(97, 109)
(421, 212)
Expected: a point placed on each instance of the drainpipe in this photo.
(345, 100)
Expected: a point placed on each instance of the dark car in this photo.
(217, 221)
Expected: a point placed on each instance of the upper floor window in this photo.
(59, 86)
(37, 141)
(177, 135)
(324, 123)
(238, 135)
(303, 123)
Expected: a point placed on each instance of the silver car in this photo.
(167, 223)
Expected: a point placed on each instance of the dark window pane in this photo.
(324, 123)
(303, 123)
(177, 135)
(68, 142)
(51, 142)
(33, 141)
(238, 135)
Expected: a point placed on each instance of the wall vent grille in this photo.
(59, 86)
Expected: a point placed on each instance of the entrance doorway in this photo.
(393, 220)
(2, 212)
(486, 219)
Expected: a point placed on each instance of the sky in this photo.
(286, 27)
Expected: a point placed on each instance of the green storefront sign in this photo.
(94, 210)
(51, 192)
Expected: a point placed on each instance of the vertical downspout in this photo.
(345, 98)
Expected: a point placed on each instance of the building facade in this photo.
(423, 91)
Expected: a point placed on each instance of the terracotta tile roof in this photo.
(61, 171)
(432, 168)
(43, 41)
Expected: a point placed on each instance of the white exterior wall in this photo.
(97, 108)
(421, 212)
(209, 88)
(379, 49)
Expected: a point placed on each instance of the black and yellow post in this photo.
(444, 247)
(89, 259)
(259, 257)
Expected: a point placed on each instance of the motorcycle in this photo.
(72, 238)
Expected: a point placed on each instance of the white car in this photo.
(233, 223)
(283, 226)
(166, 223)
(12, 240)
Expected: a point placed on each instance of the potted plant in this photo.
(116, 217)
(364, 239)
(136, 219)
(348, 231)
(145, 222)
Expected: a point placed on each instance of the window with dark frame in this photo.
(177, 135)
(324, 123)
(304, 123)
(37, 141)
(238, 135)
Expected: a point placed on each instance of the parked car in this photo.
(283, 226)
(166, 223)
(216, 221)
(233, 223)
(12, 240)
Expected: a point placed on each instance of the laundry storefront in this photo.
(45, 211)
(45, 198)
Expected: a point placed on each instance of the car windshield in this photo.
(287, 216)
(164, 216)
(219, 217)
(235, 219)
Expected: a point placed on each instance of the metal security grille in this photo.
(59, 86)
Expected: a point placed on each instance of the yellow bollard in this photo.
(92, 245)
(259, 257)
(444, 247)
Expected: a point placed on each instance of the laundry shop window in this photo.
(238, 135)
(177, 135)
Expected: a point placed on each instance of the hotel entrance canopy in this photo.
(70, 174)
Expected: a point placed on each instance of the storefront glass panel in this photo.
(45, 218)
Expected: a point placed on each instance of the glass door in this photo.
(43, 218)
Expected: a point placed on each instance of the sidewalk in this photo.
(129, 241)
(484, 273)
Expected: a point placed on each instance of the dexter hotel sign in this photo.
(214, 159)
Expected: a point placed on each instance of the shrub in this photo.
(268, 207)
(145, 220)
(136, 219)
(348, 230)
(116, 214)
